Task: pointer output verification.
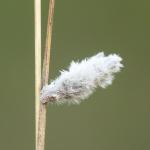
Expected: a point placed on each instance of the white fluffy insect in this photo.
(81, 79)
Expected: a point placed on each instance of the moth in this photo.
(81, 79)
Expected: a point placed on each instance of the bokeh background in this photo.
(113, 119)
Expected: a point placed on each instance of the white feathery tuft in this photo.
(81, 79)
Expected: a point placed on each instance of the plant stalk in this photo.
(45, 78)
(37, 14)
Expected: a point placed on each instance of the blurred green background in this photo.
(113, 119)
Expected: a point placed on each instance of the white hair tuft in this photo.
(81, 79)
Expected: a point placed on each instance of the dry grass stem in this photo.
(37, 12)
(45, 77)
